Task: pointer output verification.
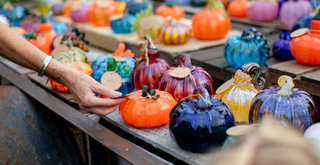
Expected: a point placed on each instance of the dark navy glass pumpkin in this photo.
(198, 125)
(101, 62)
(281, 48)
(15, 15)
(127, 85)
(134, 7)
(123, 25)
(251, 46)
(303, 22)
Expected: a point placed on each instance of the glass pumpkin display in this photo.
(178, 2)
(14, 14)
(218, 26)
(286, 103)
(146, 24)
(39, 41)
(136, 6)
(303, 22)
(238, 8)
(302, 47)
(174, 11)
(180, 88)
(79, 12)
(150, 67)
(293, 9)
(281, 48)
(147, 108)
(251, 46)
(124, 72)
(247, 83)
(198, 125)
(100, 13)
(101, 62)
(57, 9)
(174, 33)
(122, 24)
(4, 20)
(263, 10)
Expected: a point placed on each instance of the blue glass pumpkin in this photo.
(251, 46)
(101, 62)
(14, 14)
(303, 22)
(134, 7)
(59, 27)
(286, 103)
(123, 25)
(281, 48)
(200, 124)
(315, 3)
(127, 85)
(178, 2)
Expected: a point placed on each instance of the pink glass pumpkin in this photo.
(263, 10)
(292, 10)
(150, 67)
(180, 88)
(79, 12)
(31, 24)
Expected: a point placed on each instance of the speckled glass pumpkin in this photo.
(180, 88)
(14, 14)
(150, 68)
(147, 108)
(303, 22)
(212, 20)
(263, 10)
(31, 24)
(174, 33)
(247, 83)
(292, 10)
(251, 46)
(302, 47)
(100, 13)
(174, 11)
(79, 12)
(281, 48)
(136, 6)
(200, 124)
(285, 103)
(124, 72)
(238, 8)
(122, 24)
(178, 2)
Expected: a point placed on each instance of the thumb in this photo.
(107, 92)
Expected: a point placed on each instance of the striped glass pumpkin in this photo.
(263, 11)
(292, 10)
(99, 15)
(174, 33)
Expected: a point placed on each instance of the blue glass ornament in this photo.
(178, 2)
(15, 15)
(101, 62)
(127, 85)
(135, 7)
(281, 48)
(251, 46)
(303, 22)
(200, 124)
(123, 25)
(59, 27)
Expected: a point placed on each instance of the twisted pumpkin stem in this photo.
(253, 70)
(286, 84)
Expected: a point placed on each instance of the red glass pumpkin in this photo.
(147, 108)
(180, 88)
(150, 67)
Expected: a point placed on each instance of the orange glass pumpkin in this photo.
(121, 6)
(18, 30)
(48, 33)
(67, 7)
(38, 41)
(305, 48)
(100, 13)
(147, 108)
(238, 8)
(176, 12)
(210, 23)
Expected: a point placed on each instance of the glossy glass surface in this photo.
(302, 47)
(229, 141)
(101, 62)
(292, 10)
(197, 126)
(180, 88)
(240, 94)
(80, 15)
(153, 23)
(123, 25)
(285, 103)
(303, 22)
(238, 8)
(15, 15)
(263, 11)
(174, 33)
(178, 2)
(59, 27)
(281, 48)
(135, 7)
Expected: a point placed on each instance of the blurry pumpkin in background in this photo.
(174, 11)
(174, 33)
(100, 13)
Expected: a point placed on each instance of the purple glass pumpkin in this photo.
(292, 10)
(79, 12)
(263, 10)
(31, 24)
(281, 48)
(150, 68)
(180, 88)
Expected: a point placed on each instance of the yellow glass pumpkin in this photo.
(174, 33)
(240, 91)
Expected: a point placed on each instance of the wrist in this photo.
(60, 73)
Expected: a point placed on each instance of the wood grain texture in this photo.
(17, 68)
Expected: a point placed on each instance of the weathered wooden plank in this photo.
(312, 77)
(17, 68)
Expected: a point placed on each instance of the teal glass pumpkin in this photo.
(127, 85)
(198, 125)
(101, 62)
(123, 25)
(58, 27)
